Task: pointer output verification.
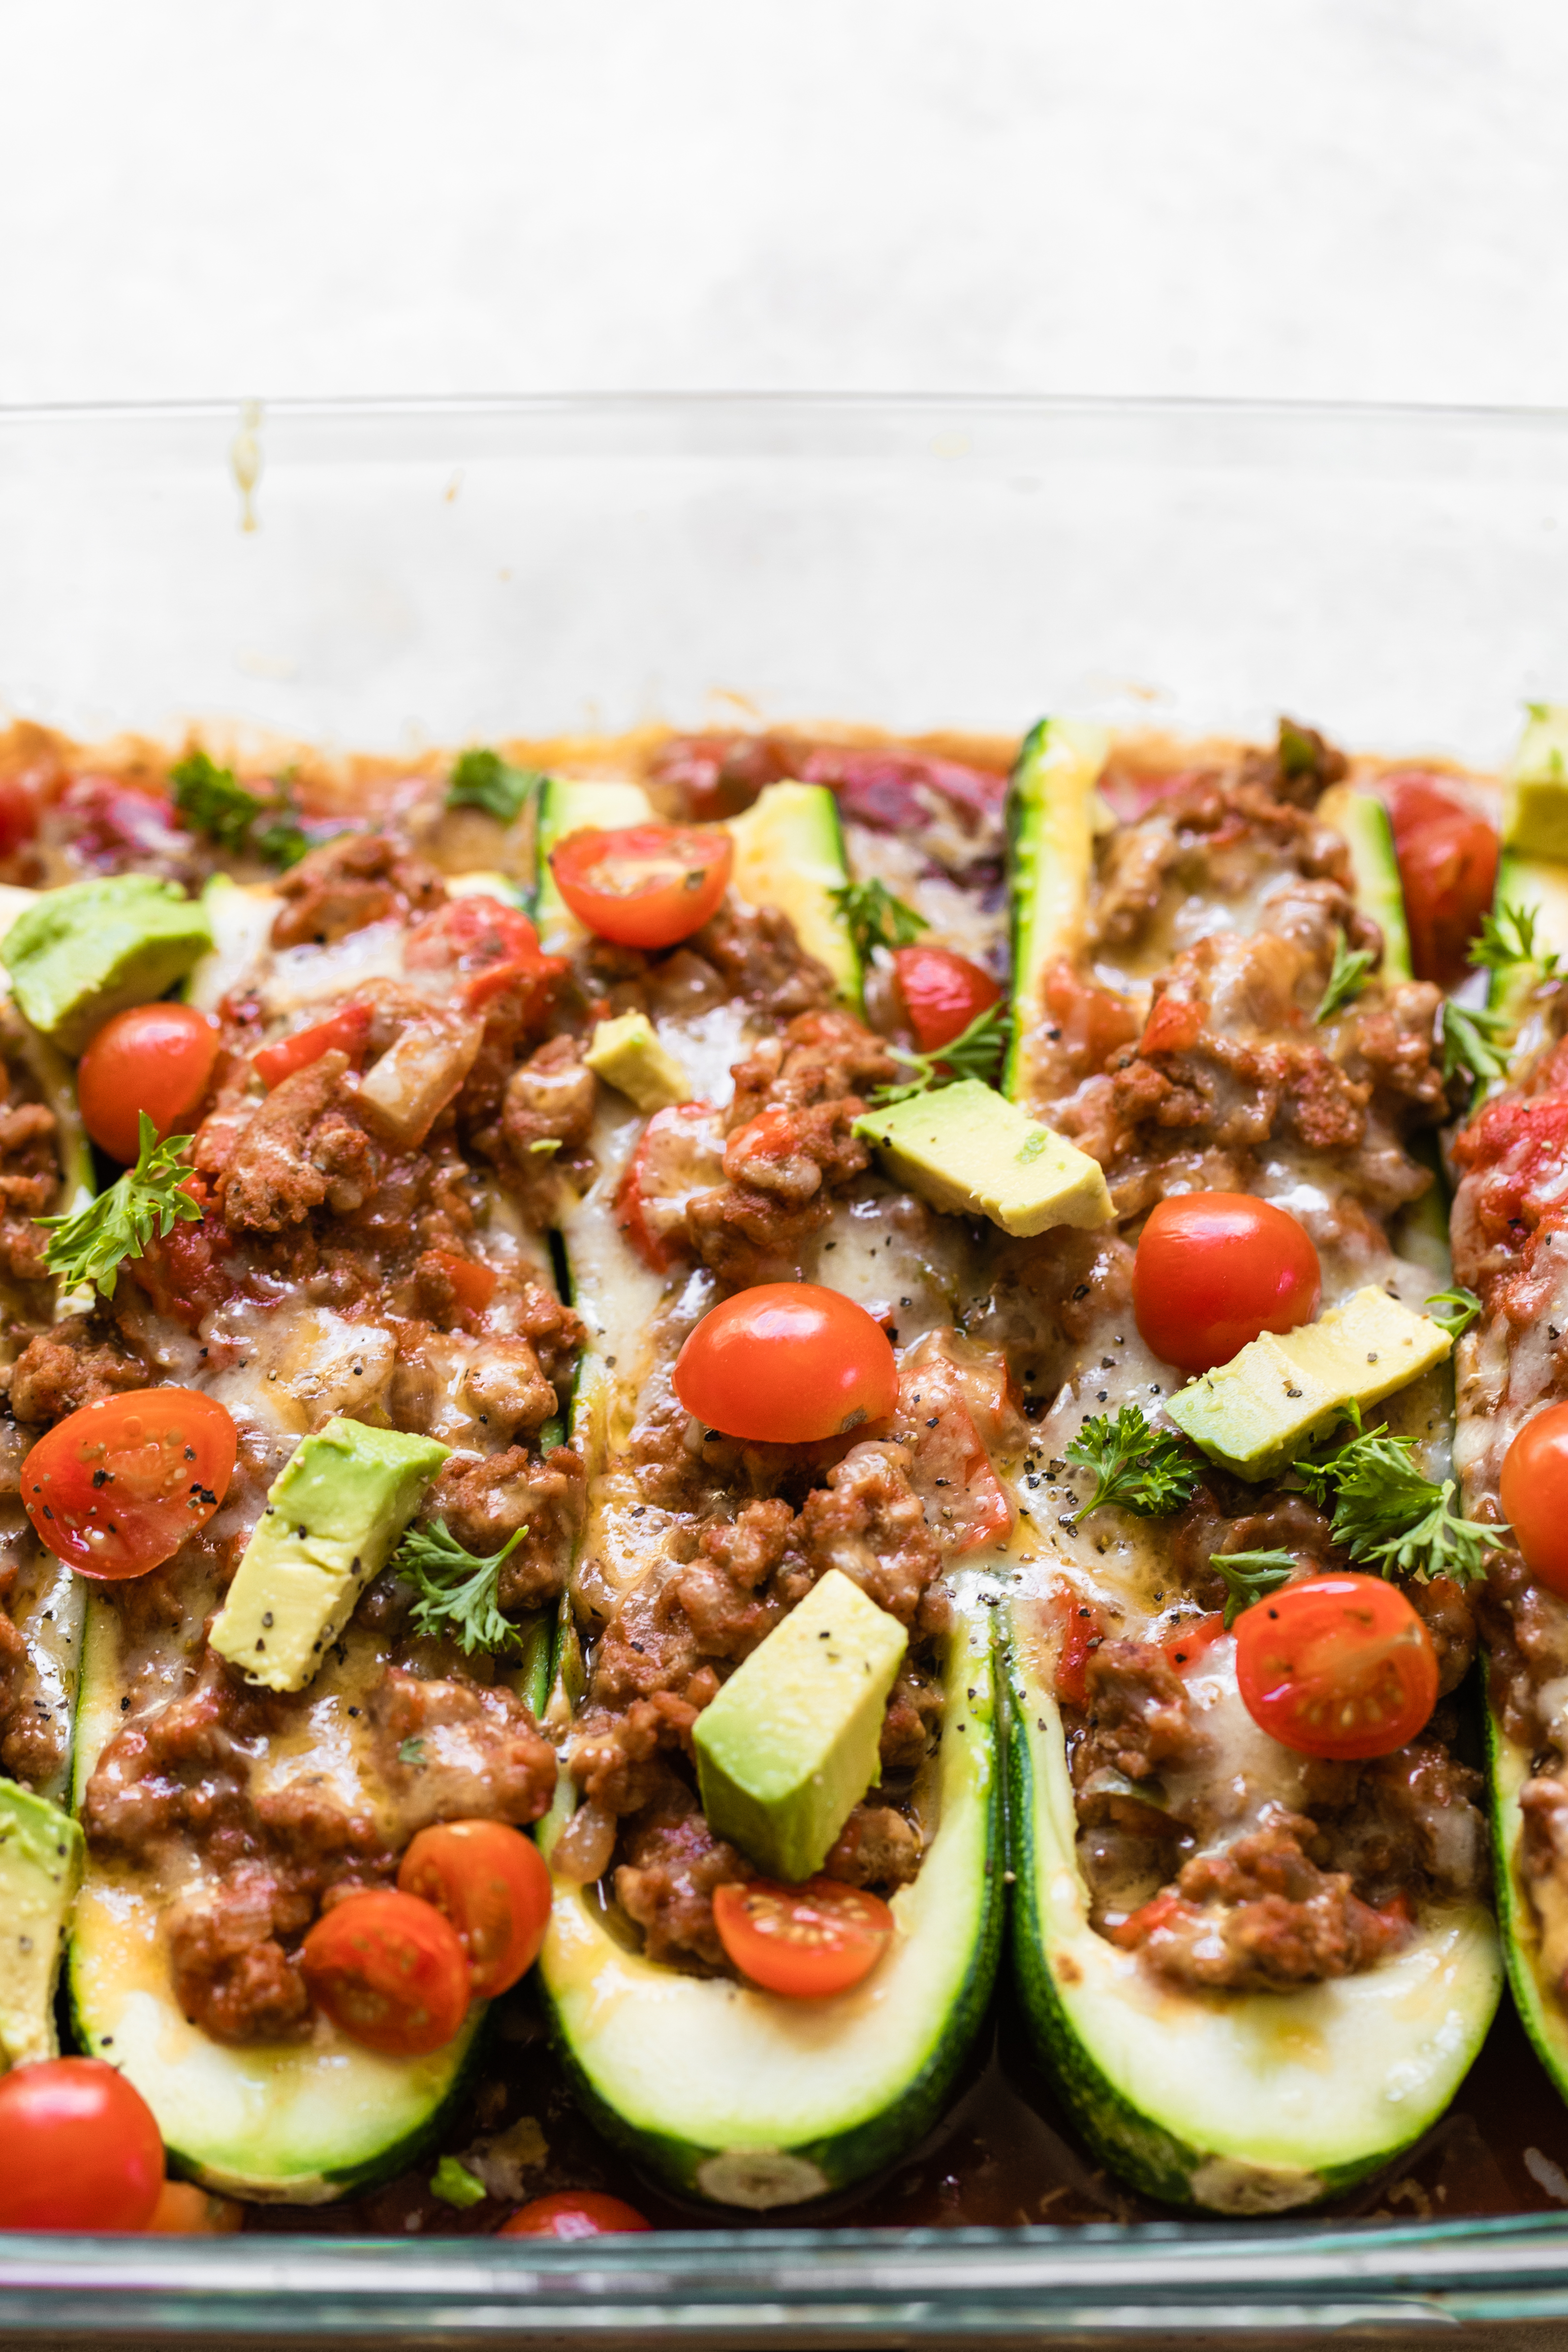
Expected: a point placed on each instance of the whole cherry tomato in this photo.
(1337, 1665)
(390, 1971)
(1448, 866)
(646, 886)
(942, 992)
(117, 1487)
(574, 2213)
(1535, 1496)
(78, 2148)
(786, 1363)
(183, 2210)
(156, 1058)
(491, 1883)
(1213, 1270)
(803, 1941)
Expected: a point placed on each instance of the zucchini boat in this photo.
(728, 2093)
(1508, 1159)
(1215, 2051)
(371, 1282)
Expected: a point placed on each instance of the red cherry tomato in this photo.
(679, 1154)
(803, 1941)
(1216, 1269)
(390, 1971)
(475, 1285)
(1535, 1496)
(1448, 865)
(1337, 1665)
(942, 992)
(19, 815)
(117, 1487)
(156, 1058)
(491, 1883)
(78, 2148)
(647, 885)
(343, 1031)
(492, 946)
(786, 1363)
(1198, 1635)
(574, 2213)
(183, 2210)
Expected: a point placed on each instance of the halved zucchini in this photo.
(726, 2093)
(1252, 2103)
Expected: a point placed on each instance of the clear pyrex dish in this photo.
(394, 576)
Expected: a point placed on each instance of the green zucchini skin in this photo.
(1162, 2084)
(726, 2095)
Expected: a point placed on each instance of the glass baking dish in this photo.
(395, 576)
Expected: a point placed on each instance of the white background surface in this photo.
(1360, 198)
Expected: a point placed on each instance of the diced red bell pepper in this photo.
(343, 1031)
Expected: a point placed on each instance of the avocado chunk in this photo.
(1255, 1414)
(967, 1148)
(87, 951)
(789, 1747)
(627, 1054)
(1535, 786)
(334, 1517)
(42, 1852)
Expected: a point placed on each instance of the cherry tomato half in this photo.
(1216, 1269)
(19, 814)
(1448, 865)
(78, 2148)
(1535, 1496)
(156, 1058)
(647, 885)
(390, 1971)
(804, 1941)
(943, 993)
(117, 1487)
(574, 2213)
(491, 1883)
(1336, 1665)
(786, 1363)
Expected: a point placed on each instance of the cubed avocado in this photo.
(90, 949)
(41, 1855)
(1535, 786)
(789, 1747)
(334, 1517)
(627, 1054)
(967, 1148)
(1256, 1414)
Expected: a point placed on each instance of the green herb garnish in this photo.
(411, 1751)
(975, 1053)
(483, 779)
(1388, 1514)
(1248, 1575)
(1470, 1044)
(456, 1587)
(1136, 1466)
(1507, 940)
(454, 2184)
(1346, 979)
(213, 801)
(1461, 1307)
(91, 1244)
(875, 918)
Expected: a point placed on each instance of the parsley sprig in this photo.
(1138, 1467)
(481, 779)
(975, 1053)
(1472, 1042)
(1388, 1514)
(1506, 941)
(875, 918)
(213, 801)
(1461, 1308)
(1248, 1575)
(456, 1587)
(1349, 975)
(93, 1244)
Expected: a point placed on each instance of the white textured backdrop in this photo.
(1327, 197)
